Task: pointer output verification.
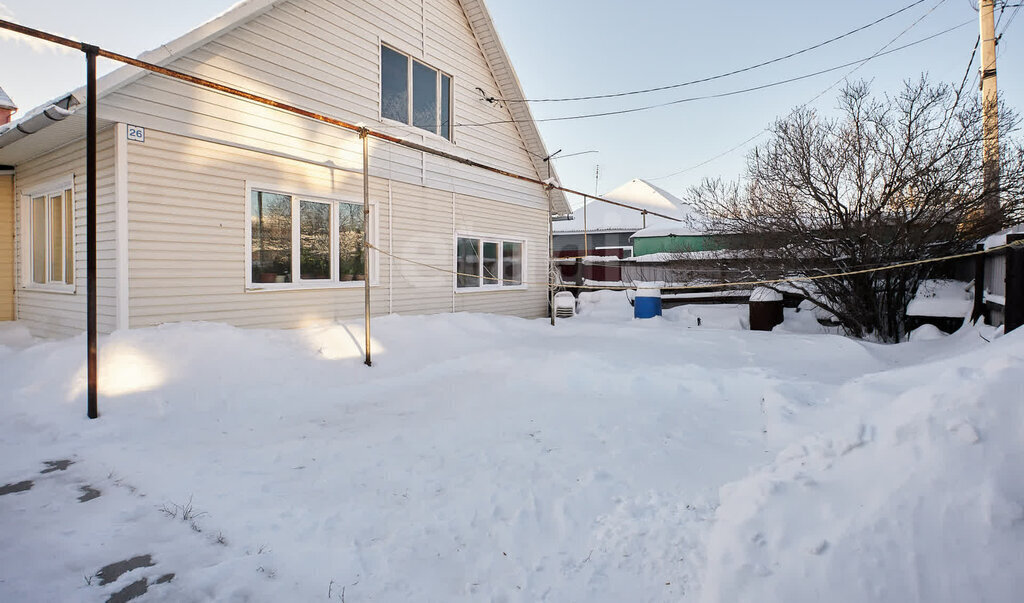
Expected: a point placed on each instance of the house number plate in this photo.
(136, 133)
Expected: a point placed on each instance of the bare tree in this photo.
(888, 180)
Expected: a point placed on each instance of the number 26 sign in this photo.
(137, 134)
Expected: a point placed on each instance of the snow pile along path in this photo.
(916, 496)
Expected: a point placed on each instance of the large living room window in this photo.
(51, 238)
(299, 240)
(415, 93)
(486, 263)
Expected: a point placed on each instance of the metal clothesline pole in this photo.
(366, 241)
(90, 227)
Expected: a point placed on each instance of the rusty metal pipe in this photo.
(35, 33)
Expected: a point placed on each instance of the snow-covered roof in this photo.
(6, 102)
(605, 217)
(941, 298)
(999, 238)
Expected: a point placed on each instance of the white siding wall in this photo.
(59, 314)
(323, 55)
(423, 226)
(186, 235)
(187, 232)
(505, 220)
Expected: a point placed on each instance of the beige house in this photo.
(217, 209)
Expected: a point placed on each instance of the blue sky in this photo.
(585, 47)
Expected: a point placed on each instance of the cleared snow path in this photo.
(481, 458)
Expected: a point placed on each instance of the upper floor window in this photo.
(51, 238)
(414, 93)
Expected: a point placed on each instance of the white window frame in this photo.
(47, 190)
(409, 108)
(297, 282)
(486, 285)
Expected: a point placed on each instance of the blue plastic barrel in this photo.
(647, 303)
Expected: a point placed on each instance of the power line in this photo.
(1013, 16)
(969, 63)
(720, 285)
(713, 77)
(880, 52)
(724, 94)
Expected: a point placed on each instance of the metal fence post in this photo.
(1013, 311)
(979, 284)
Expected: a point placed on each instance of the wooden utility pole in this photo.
(990, 107)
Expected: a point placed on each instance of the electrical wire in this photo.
(778, 281)
(969, 63)
(729, 93)
(878, 53)
(1013, 16)
(709, 78)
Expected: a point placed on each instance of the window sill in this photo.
(264, 287)
(427, 134)
(489, 289)
(60, 289)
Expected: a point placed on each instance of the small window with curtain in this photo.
(415, 93)
(51, 239)
(486, 263)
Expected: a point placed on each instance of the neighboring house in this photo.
(7, 107)
(608, 228)
(218, 209)
(675, 238)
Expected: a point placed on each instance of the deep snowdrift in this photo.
(489, 458)
(915, 495)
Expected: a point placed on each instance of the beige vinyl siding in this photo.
(52, 314)
(324, 56)
(187, 232)
(6, 247)
(503, 220)
(423, 226)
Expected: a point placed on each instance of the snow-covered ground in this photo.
(485, 458)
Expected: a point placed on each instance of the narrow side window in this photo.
(394, 85)
(271, 238)
(446, 107)
(468, 262)
(39, 240)
(350, 242)
(512, 264)
(424, 97)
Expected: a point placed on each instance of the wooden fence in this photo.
(999, 286)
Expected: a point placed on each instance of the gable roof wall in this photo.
(247, 10)
(509, 87)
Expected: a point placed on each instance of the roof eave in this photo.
(509, 87)
(166, 53)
